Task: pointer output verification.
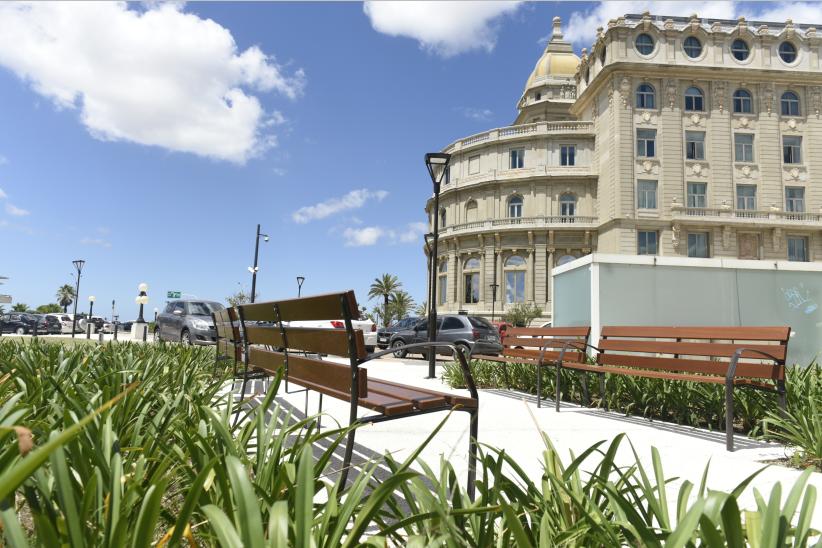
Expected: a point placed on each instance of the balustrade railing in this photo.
(538, 221)
(543, 128)
(746, 214)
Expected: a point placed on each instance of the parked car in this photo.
(65, 321)
(125, 326)
(473, 333)
(19, 323)
(501, 327)
(51, 324)
(384, 333)
(188, 322)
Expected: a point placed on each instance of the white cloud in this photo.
(152, 75)
(16, 211)
(581, 28)
(278, 171)
(478, 114)
(3, 160)
(446, 27)
(2, 194)
(353, 200)
(96, 241)
(372, 235)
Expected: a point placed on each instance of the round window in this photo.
(645, 44)
(740, 49)
(787, 52)
(692, 47)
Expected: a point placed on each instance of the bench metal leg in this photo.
(559, 386)
(349, 450)
(729, 416)
(505, 376)
(781, 395)
(239, 409)
(586, 396)
(472, 455)
(602, 390)
(539, 386)
(320, 413)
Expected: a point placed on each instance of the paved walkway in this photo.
(511, 421)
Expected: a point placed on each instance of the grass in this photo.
(134, 445)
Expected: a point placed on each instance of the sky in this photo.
(150, 139)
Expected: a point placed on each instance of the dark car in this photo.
(19, 323)
(50, 324)
(188, 322)
(473, 333)
(384, 333)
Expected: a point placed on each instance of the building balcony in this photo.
(747, 217)
(584, 128)
(521, 223)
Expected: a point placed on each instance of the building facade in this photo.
(673, 136)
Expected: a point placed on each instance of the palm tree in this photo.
(20, 307)
(65, 296)
(383, 287)
(401, 303)
(421, 309)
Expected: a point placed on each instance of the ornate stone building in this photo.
(673, 136)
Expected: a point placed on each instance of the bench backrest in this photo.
(548, 342)
(229, 341)
(706, 350)
(277, 343)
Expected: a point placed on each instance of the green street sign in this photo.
(173, 295)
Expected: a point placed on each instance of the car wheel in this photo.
(185, 337)
(20, 330)
(156, 335)
(401, 353)
(369, 349)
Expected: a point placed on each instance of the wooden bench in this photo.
(538, 346)
(748, 357)
(295, 351)
(229, 341)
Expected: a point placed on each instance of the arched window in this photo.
(645, 96)
(567, 207)
(740, 49)
(442, 218)
(692, 47)
(442, 281)
(602, 55)
(644, 44)
(787, 52)
(514, 279)
(743, 104)
(694, 100)
(471, 275)
(790, 104)
(471, 211)
(515, 206)
(565, 259)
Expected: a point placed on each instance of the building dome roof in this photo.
(558, 59)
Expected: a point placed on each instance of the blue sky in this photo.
(150, 141)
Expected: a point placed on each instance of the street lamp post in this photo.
(91, 299)
(141, 299)
(437, 165)
(300, 280)
(494, 287)
(254, 269)
(78, 264)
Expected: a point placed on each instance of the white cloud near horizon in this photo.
(101, 242)
(2, 194)
(581, 28)
(478, 114)
(353, 200)
(11, 209)
(372, 235)
(153, 75)
(446, 28)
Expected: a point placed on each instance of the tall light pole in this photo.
(437, 165)
(141, 299)
(300, 280)
(91, 299)
(494, 287)
(254, 269)
(78, 264)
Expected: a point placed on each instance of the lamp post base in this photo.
(139, 331)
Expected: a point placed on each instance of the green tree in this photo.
(383, 287)
(48, 308)
(401, 304)
(20, 307)
(421, 309)
(522, 314)
(65, 296)
(241, 296)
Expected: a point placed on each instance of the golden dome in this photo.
(558, 59)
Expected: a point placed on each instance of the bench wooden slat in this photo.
(420, 400)
(538, 342)
(309, 339)
(452, 399)
(319, 307)
(549, 331)
(503, 359)
(548, 355)
(743, 369)
(754, 333)
(725, 350)
(323, 373)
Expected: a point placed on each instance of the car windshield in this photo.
(477, 321)
(203, 308)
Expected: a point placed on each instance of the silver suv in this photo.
(473, 333)
(188, 322)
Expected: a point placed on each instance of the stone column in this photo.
(540, 274)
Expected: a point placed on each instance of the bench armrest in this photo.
(466, 370)
(578, 345)
(729, 378)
